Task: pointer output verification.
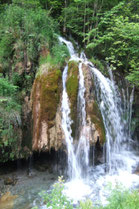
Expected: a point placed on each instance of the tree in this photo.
(116, 40)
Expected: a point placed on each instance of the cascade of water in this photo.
(74, 170)
(77, 159)
(111, 109)
(70, 48)
(82, 152)
(127, 110)
(119, 161)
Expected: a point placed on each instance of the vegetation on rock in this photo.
(72, 91)
(48, 85)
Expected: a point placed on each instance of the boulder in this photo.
(10, 181)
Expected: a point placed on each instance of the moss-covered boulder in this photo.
(72, 91)
(46, 94)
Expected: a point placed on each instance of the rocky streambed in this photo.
(19, 188)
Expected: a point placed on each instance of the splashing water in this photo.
(78, 159)
(119, 160)
(82, 153)
(73, 169)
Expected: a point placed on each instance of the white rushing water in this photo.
(120, 158)
(73, 169)
(78, 158)
(82, 153)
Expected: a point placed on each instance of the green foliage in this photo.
(59, 53)
(99, 64)
(86, 204)
(116, 40)
(122, 199)
(6, 88)
(80, 16)
(133, 76)
(27, 3)
(23, 31)
(56, 199)
(10, 121)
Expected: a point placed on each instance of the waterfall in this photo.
(116, 113)
(82, 152)
(78, 158)
(73, 170)
(110, 104)
(127, 109)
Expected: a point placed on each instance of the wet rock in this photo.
(30, 173)
(7, 201)
(46, 111)
(41, 167)
(10, 181)
(95, 128)
(72, 91)
(136, 171)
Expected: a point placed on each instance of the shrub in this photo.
(56, 199)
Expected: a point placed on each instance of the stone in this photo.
(10, 181)
(94, 119)
(7, 200)
(46, 111)
(41, 167)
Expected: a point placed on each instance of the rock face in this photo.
(94, 118)
(72, 91)
(7, 200)
(135, 115)
(46, 107)
(46, 96)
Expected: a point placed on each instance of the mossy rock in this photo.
(50, 90)
(96, 118)
(50, 94)
(72, 91)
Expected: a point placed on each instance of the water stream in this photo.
(120, 159)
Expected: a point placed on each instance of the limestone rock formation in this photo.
(94, 119)
(46, 97)
(46, 107)
(72, 91)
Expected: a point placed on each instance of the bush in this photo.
(123, 199)
(10, 121)
(56, 199)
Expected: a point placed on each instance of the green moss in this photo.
(50, 94)
(50, 89)
(96, 118)
(72, 91)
